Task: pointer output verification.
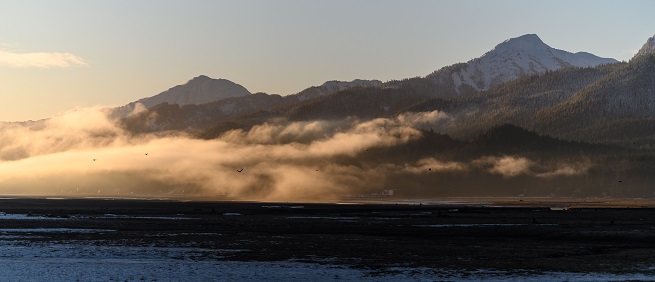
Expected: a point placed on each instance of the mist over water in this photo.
(85, 153)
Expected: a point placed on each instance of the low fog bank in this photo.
(85, 153)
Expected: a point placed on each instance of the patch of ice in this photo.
(53, 230)
(11, 216)
(336, 218)
(324, 217)
(143, 217)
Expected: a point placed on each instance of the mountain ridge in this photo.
(647, 48)
(511, 59)
(199, 90)
(333, 86)
(566, 102)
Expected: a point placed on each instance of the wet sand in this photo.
(523, 236)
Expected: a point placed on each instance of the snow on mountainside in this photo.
(610, 104)
(524, 55)
(648, 47)
(334, 86)
(199, 90)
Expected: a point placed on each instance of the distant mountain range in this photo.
(516, 57)
(203, 89)
(205, 102)
(522, 81)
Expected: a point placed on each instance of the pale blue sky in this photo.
(115, 52)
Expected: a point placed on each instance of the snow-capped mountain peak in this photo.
(648, 47)
(515, 57)
(528, 42)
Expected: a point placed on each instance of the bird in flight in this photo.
(239, 170)
(146, 154)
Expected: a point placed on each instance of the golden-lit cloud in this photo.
(512, 166)
(507, 166)
(85, 153)
(424, 119)
(39, 59)
(429, 165)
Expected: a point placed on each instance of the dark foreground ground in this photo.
(372, 236)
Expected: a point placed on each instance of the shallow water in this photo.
(27, 260)
(77, 262)
(68, 250)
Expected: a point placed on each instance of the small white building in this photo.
(387, 192)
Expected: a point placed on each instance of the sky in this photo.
(56, 56)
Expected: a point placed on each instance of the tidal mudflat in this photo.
(155, 240)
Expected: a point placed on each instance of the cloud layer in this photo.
(39, 60)
(84, 153)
